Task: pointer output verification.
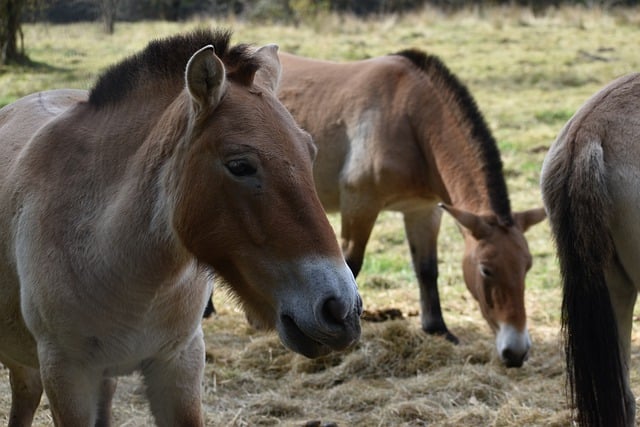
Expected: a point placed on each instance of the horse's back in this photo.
(611, 116)
(356, 113)
(20, 120)
(348, 88)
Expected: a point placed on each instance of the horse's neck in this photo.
(458, 162)
(137, 214)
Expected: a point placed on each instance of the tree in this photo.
(108, 9)
(11, 31)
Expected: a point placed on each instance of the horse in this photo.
(590, 179)
(401, 132)
(116, 203)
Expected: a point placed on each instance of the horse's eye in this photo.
(485, 272)
(241, 167)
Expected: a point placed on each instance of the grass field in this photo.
(528, 74)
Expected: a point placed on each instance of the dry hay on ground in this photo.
(395, 376)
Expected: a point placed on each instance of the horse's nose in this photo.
(336, 310)
(513, 345)
(513, 359)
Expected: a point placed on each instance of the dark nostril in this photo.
(335, 310)
(511, 359)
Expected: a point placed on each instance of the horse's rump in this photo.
(577, 190)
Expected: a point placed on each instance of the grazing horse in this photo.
(114, 204)
(591, 189)
(401, 132)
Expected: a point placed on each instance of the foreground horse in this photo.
(402, 133)
(591, 189)
(114, 202)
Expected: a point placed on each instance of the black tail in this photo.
(574, 190)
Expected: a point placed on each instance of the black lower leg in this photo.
(431, 313)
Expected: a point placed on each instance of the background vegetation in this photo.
(289, 10)
(528, 72)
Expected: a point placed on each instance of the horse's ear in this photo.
(270, 69)
(206, 78)
(526, 219)
(475, 224)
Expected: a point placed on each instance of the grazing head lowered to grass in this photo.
(117, 202)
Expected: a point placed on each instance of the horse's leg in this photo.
(623, 274)
(623, 296)
(356, 226)
(73, 390)
(26, 391)
(174, 386)
(421, 227)
(107, 391)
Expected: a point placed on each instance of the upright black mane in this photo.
(496, 185)
(166, 59)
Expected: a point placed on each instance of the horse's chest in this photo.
(127, 351)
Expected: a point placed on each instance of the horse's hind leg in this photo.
(623, 297)
(107, 390)
(421, 227)
(26, 391)
(623, 273)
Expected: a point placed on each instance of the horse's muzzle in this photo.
(335, 327)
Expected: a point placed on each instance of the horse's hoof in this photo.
(443, 333)
(452, 338)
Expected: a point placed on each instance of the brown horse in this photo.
(591, 189)
(114, 203)
(400, 132)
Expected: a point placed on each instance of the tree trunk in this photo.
(109, 8)
(10, 31)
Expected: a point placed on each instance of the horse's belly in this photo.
(16, 342)
(410, 204)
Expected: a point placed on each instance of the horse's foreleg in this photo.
(174, 386)
(26, 391)
(421, 227)
(73, 389)
(355, 231)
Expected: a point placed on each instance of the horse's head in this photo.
(495, 264)
(246, 204)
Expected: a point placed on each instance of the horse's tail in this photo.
(579, 207)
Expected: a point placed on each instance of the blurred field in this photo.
(528, 74)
